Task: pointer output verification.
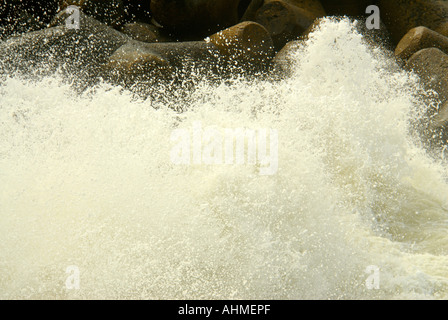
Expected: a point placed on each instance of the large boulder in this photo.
(420, 38)
(437, 131)
(225, 53)
(243, 48)
(284, 60)
(251, 10)
(440, 121)
(143, 67)
(400, 16)
(347, 7)
(134, 63)
(139, 31)
(431, 65)
(187, 57)
(195, 18)
(313, 6)
(247, 42)
(76, 53)
(284, 21)
(144, 32)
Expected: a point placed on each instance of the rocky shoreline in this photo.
(139, 43)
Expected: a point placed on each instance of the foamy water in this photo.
(87, 181)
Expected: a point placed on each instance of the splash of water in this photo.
(87, 181)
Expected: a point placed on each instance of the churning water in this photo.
(87, 181)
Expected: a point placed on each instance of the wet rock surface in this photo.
(76, 54)
(420, 38)
(285, 20)
(401, 16)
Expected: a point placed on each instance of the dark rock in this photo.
(187, 56)
(440, 121)
(442, 29)
(110, 12)
(223, 53)
(195, 18)
(77, 54)
(400, 16)
(203, 58)
(251, 11)
(144, 32)
(436, 135)
(355, 8)
(312, 27)
(432, 66)
(284, 60)
(420, 38)
(139, 32)
(175, 62)
(247, 42)
(285, 22)
(133, 63)
(283, 63)
(244, 48)
(312, 6)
